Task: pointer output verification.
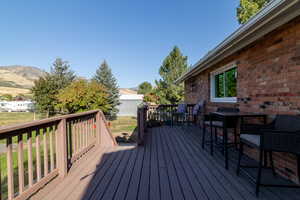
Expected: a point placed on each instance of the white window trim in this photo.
(212, 85)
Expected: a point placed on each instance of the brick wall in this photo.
(268, 82)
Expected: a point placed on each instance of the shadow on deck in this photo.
(171, 165)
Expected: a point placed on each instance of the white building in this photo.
(16, 106)
(129, 103)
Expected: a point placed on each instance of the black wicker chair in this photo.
(282, 135)
(180, 116)
(214, 122)
(198, 111)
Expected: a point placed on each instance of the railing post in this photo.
(98, 128)
(141, 125)
(62, 157)
(145, 118)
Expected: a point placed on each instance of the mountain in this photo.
(126, 91)
(18, 76)
(134, 88)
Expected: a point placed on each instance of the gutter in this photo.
(256, 22)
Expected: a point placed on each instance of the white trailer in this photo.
(16, 106)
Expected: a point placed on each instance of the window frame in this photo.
(213, 75)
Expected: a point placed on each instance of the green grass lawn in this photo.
(11, 118)
(123, 125)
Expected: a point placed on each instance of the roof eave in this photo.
(255, 24)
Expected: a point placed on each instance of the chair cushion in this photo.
(181, 108)
(198, 107)
(214, 123)
(250, 139)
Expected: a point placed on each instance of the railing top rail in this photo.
(13, 128)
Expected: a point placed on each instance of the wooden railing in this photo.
(156, 115)
(163, 113)
(34, 153)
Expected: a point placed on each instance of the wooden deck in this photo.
(171, 165)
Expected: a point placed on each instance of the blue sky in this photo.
(134, 36)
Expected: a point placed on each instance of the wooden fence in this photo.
(34, 153)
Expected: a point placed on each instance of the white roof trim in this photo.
(256, 22)
(131, 97)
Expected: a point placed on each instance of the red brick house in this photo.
(257, 69)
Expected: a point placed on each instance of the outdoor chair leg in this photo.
(216, 136)
(211, 141)
(235, 138)
(223, 143)
(203, 135)
(241, 151)
(259, 171)
(272, 163)
(298, 167)
(265, 155)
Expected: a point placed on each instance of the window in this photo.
(224, 84)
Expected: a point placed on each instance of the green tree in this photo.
(248, 8)
(150, 97)
(174, 65)
(7, 97)
(144, 88)
(105, 77)
(46, 88)
(61, 73)
(82, 95)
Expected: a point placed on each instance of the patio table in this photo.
(225, 117)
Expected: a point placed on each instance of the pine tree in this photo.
(174, 65)
(248, 8)
(46, 89)
(61, 73)
(105, 77)
(144, 88)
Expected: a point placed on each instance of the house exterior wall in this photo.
(268, 81)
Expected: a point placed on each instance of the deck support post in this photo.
(98, 128)
(62, 156)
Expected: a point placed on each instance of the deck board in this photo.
(214, 191)
(173, 177)
(154, 189)
(191, 187)
(266, 193)
(171, 165)
(113, 185)
(122, 191)
(106, 181)
(99, 174)
(132, 191)
(164, 178)
(143, 189)
(218, 163)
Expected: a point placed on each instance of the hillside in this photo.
(126, 91)
(19, 76)
(13, 91)
(18, 79)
